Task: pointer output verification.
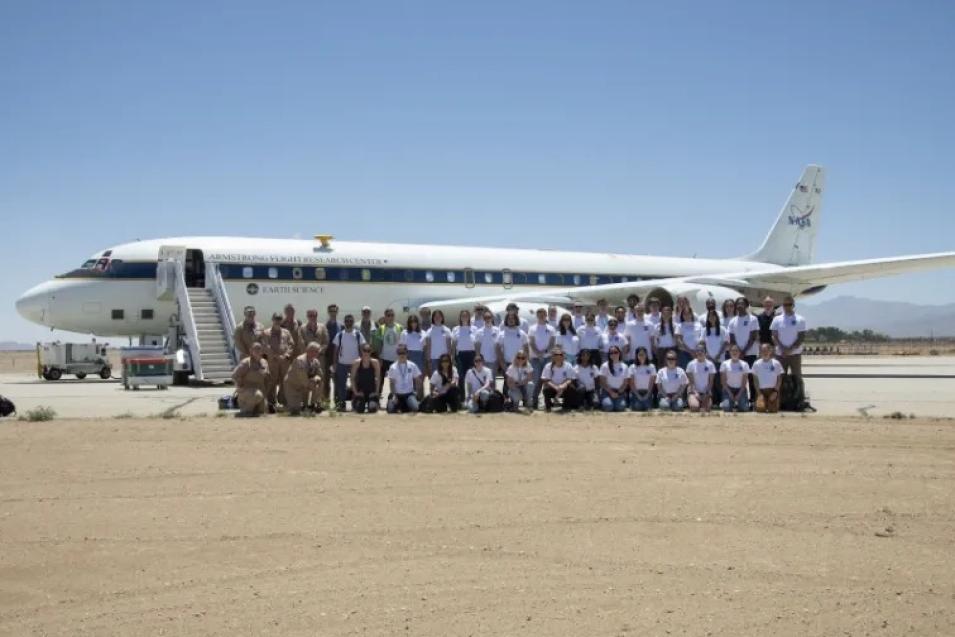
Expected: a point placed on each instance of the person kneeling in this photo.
(519, 379)
(735, 373)
(768, 373)
(365, 380)
(614, 377)
(479, 383)
(251, 378)
(672, 382)
(560, 383)
(405, 380)
(643, 377)
(444, 387)
(303, 380)
(701, 372)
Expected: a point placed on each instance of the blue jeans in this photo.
(740, 404)
(613, 404)
(523, 392)
(538, 365)
(675, 404)
(478, 401)
(641, 401)
(402, 403)
(342, 371)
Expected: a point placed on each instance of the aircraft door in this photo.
(194, 269)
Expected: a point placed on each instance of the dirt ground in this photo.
(503, 525)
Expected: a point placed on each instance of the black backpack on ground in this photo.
(6, 407)
(495, 403)
(792, 395)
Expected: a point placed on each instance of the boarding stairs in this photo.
(215, 356)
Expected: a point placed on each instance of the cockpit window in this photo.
(89, 263)
(102, 264)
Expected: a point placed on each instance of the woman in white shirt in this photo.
(734, 373)
(613, 338)
(560, 383)
(639, 332)
(688, 336)
(444, 386)
(485, 343)
(437, 341)
(519, 379)
(413, 340)
(665, 338)
(701, 372)
(643, 376)
(567, 337)
(511, 340)
(587, 379)
(479, 382)
(462, 341)
(671, 384)
(589, 337)
(614, 376)
(716, 341)
(768, 373)
(729, 311)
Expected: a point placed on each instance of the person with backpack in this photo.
(479, 384)
(347, 344)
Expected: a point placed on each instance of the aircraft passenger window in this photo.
(429, 276)
(146, 315)
(488, 277)
(450, 276)
(343, 274)
(593, 279)
(247, 272)
(118, 315)
(320, 274)
(542, 279)
(520, 278)
(409, 275)
(296, 273)
(576, 279)
(469, 278)
(624, 279)
(273, 273)
(507, 278)
(365, 274)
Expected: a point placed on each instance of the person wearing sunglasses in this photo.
(590, 337)
(643, 377)
(789, 329)
(560, 382)
(612, 337)
(614, 377)
(735, 372)
(365, 380)
(701, 372)
(405, 379)
(672, 382)
(519, 380)
(512, 340)
(479, 382)
(444, 386)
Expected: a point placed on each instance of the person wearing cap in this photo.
(279, 350)
(303, 380)
(294, 327)
(332, 327)
(247, 333)
(540, 339)
(405, 379)
(347, 345)
(251, 379)
(366, 325)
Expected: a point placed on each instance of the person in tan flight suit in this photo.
(279, 350)
(293, 326)
(313, 331)
(303, 381)
(251, 379)
(246, 333)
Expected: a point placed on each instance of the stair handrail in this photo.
(227, 317)
(187, 320)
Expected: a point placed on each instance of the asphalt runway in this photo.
(924, 386)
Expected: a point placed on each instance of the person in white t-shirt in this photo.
(639, 332)
(552, 317)
(462, 342)
(744, 332)
(665, 337)
(587, 379)
(479, 382)
(734, 373)
(566, 337)
(413, 340)
(578, 315)
(671, 384)
(437, 341)
(653, 311)
(540, 340)
(729, 313)
(688, 336)
(590, 336)
(789, 329)
(519, 380)
(485, 342)
(769, 379)
(701, 372)
(511, 340)
(405, 379)
(643, 376)
(633, 301)
(603, 314)
(560, 382)
(613, 338)
(512, 308)
(716, 340)
(614, 378)
(444, 386)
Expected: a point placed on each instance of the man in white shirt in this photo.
(405, 379)
(603, 315)
(578, 314)
(632, 302)
(744, 333)
(347, 344)
(485, 342)
(789, 329)
(540, 339)
(559, 379)
(512, 308)
(552, 318)
(769, 379)
(653, 313)
(639, 332)
(479, 383)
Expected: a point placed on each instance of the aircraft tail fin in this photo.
(792, 240)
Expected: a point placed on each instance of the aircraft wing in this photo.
(790, 280)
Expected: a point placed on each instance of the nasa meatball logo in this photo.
(800, 217)
(252, 288)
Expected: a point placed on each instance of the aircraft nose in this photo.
(34, 305)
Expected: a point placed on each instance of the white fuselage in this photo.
(116, 294)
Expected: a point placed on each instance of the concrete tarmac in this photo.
(924, 386)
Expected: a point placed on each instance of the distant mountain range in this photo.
(897, 319)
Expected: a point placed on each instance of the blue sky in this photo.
(671, 128)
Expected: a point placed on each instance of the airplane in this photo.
(173, 286)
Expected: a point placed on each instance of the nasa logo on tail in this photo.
(801, 218)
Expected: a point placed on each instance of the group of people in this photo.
(639, 356)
